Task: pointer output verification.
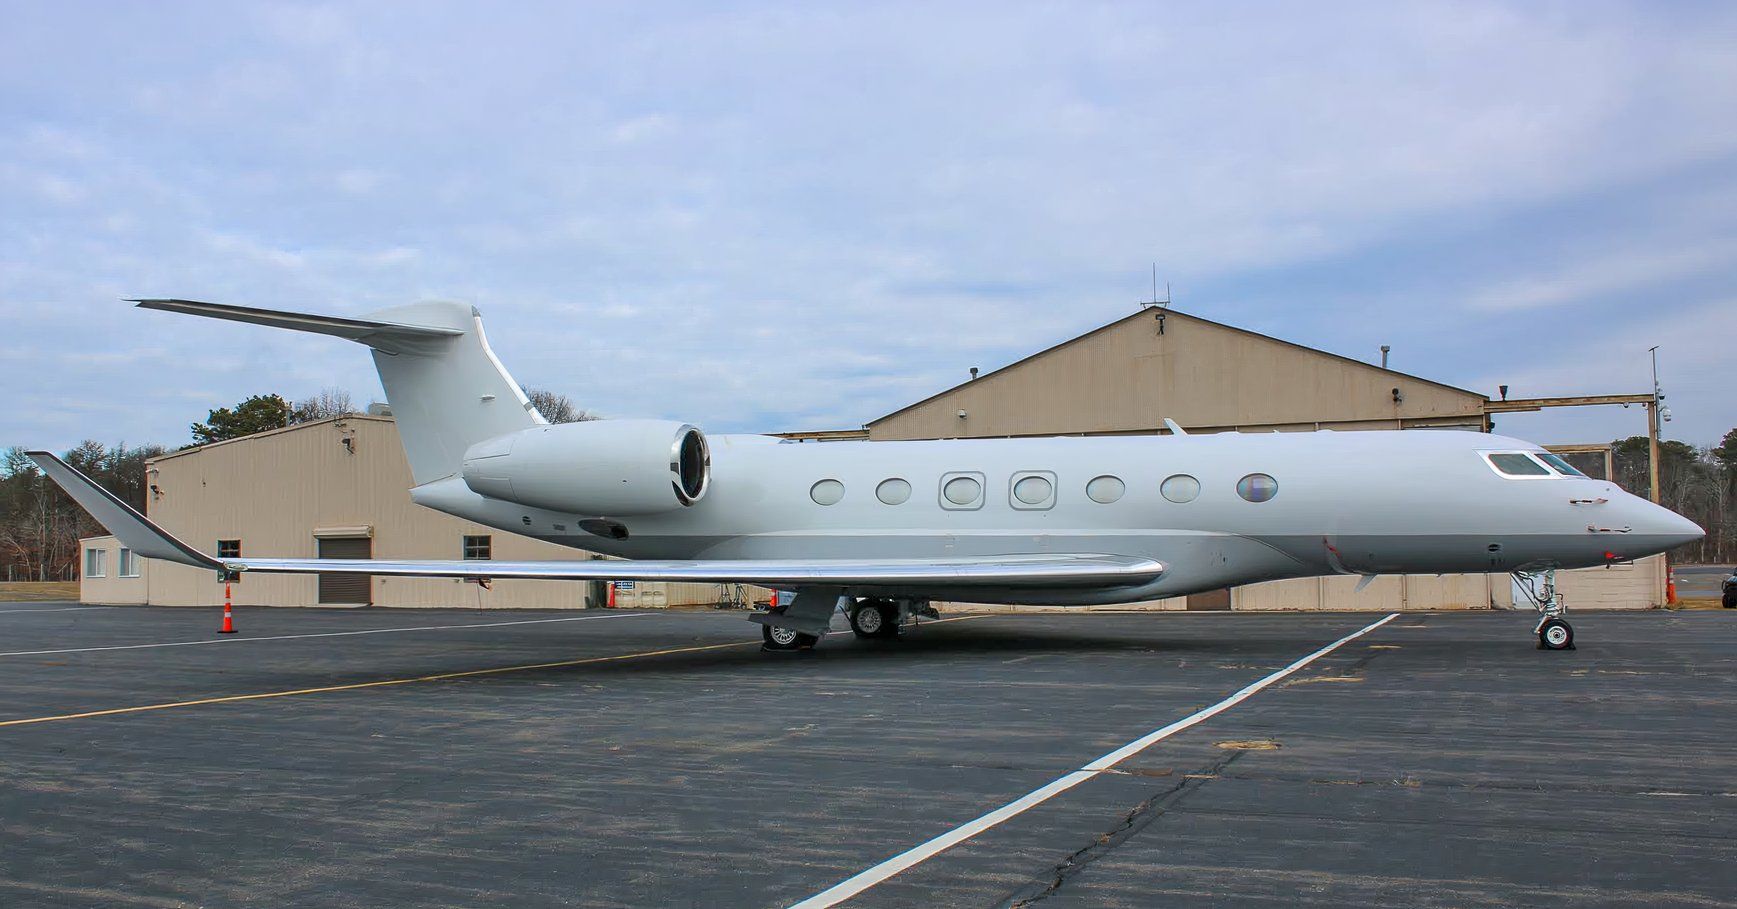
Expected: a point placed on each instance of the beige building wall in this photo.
(277, 492)
(1127, 378)
(111, 588)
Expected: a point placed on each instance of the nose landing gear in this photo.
(1539, 586)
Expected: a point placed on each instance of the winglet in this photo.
(134, 530)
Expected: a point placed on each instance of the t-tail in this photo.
(447, 389)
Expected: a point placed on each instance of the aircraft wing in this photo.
(139, 534)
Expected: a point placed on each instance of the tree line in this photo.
(1697, 483)
(40, 526)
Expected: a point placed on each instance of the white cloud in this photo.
(1694, 370)
(1598, 276)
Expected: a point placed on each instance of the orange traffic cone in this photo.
(228, 618)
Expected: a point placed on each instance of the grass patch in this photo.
(37, 591)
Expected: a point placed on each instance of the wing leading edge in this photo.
(142, 536)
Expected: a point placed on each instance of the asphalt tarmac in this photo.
(460, 758)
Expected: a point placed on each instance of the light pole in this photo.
(1656, 413)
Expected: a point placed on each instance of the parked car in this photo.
(1731, 590)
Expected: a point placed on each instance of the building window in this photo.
(229, 549)
(826, 492)
(93, 563)
(1257, 487)
(129, 564)
(478, 548)
(1105, 489)
(894, 491)
(1180, 488)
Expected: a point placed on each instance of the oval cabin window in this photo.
(1033, 490)
(962, 490)
(1180, 488)
(1105, 489)
(826, 492)
(1257, 487)
(893, 491)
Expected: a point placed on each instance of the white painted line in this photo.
(856, 884)
(326, 634)
(61, 609)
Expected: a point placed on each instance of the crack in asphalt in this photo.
(1135, 820)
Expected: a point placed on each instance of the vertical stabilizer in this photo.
(450, 396)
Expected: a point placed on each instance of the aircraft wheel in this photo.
(874, 620)
(1556, 635)
(786, 639)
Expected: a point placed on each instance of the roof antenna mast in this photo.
(1156, 304)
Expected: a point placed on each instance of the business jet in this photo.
(882, 529)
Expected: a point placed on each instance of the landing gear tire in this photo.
(1555, 634)
(875, 620)
(786, 639)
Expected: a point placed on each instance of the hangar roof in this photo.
(1132, 374)
(195, 449)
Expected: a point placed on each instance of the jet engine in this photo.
(598, 467)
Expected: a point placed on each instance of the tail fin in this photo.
(446, 388)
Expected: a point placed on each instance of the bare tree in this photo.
(330, 402)
(556, 407)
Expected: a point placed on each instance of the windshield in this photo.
(1560, 465)
(1517, 464)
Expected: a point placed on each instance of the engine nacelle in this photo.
(599, 467)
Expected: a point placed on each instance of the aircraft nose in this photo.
(1666, 526)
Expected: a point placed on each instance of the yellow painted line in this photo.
(355, 686)
(382, 683)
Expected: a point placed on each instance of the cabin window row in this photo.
(1035, 490)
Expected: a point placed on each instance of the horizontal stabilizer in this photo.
(137, 533)
(392, 337)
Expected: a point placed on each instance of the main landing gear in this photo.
(1539, 586)
(787, 639)
(872, 618)
(800, 623)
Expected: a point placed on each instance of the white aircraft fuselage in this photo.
(1376, 502)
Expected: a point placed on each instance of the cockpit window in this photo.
(1560, 465)
(1517, 464)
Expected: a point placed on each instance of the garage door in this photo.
(346, 589)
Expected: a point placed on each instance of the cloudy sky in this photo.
(770, 217)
